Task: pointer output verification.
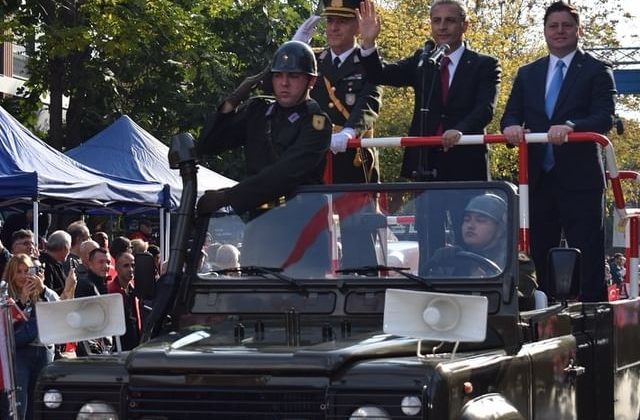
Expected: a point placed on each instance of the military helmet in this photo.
(489, 205)
(342, 8)
(294, 57)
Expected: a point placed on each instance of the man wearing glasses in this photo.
(21, 243)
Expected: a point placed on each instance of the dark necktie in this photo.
(549, 104)
(336, 62)
(444, 87)
(444, 78)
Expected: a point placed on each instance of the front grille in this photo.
(194, 403)
(343, 402)
(74, 396)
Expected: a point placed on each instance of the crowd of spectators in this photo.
(615, 271)
(65, 264)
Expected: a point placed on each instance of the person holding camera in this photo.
(25, 282)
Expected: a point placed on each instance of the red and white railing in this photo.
(631, 251)
(523, 176)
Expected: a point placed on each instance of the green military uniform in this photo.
(284, 148)
(343, 91)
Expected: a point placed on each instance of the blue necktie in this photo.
(549, 104)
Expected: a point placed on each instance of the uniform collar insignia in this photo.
(293, 117)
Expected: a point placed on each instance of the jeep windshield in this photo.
(426, 232)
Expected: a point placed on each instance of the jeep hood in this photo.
(201, 350)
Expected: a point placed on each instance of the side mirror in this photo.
(564, 273)
(182, 150)
(144, 275)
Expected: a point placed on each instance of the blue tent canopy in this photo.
(125, 149)
(32, 170)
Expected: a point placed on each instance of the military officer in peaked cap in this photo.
(343, 91)
(286, 139)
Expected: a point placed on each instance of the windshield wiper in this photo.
(256, 270)
(400, 270)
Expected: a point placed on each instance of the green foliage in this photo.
(510, 31)
(168, 63)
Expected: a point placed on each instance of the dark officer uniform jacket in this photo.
(350, 100)
(284, 147)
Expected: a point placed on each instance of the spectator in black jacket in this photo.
(95, 282)
(53, 258)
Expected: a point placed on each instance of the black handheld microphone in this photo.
(426, 51)
(438, 53)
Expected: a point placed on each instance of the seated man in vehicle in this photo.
(483, 252)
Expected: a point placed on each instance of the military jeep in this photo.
(339, 309)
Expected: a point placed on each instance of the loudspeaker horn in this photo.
(80, 319)
(435, 316)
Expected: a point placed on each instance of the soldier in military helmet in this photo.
(483, 226)
(483, 248)
(285, 139)
(343, 91)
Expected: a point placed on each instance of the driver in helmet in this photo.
(483, 227)
(286, 138)
(482, 231)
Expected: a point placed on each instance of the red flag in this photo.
(17, 315)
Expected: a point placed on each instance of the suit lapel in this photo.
(327, 69)
(462, 72)
(539, 83)
(570, 78)
(347, 66)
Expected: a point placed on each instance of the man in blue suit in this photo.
(567, 91)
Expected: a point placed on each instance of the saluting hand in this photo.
(307, 29)
(369, 23)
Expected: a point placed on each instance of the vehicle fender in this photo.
(490, 407)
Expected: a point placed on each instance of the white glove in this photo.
(339, 141)
(306, 30)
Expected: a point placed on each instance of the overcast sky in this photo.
(630, 27)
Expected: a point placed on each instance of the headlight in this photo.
(97, 410)
(411, 405)
(369, 412)
(52, 398)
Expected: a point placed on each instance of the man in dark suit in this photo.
(471, 87)
(456, 96)
(567, 91)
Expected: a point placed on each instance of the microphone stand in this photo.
(421, 173)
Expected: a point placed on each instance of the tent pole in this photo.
(162, 234)
(35, 222)
(167, 245)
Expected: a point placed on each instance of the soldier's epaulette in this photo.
(313, 107)
(321, 53)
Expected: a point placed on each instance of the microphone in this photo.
(438, 53)
(426, 51)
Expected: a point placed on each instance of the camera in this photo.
(34, 270)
